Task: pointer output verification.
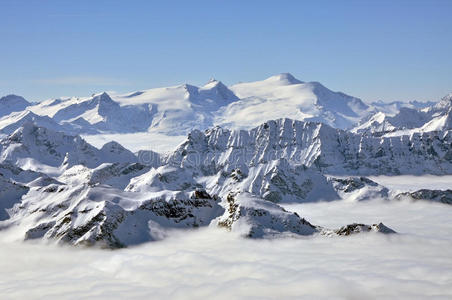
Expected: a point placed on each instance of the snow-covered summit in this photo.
(12, 103)
(285, 96)
(283, 78)
(444, 104)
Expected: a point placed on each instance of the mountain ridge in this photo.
(107, 197)
(243, 105)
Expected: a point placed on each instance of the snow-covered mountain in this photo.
(319, 146)
(250, 148)
(285, 96)
(392, 108)
(230, 179)
(30, 146)
(172, 110)
(179, 109)
(437, 117)
(12, 103)
(13, 121)
(96, 114)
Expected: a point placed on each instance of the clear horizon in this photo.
(386, 50)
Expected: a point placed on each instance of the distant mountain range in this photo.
(178, 110)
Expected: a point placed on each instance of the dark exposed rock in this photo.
(358, 228)
(429, 195)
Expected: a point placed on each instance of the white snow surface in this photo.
(285, 96)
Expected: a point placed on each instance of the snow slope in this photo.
(180, 109)
(285, 96)
(13, 121)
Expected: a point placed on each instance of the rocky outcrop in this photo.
(442, 196)
(256, 218)
(355, 228)
(107, 217)
(358, 228)
(358, 188)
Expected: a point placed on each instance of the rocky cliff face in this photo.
(441, 196)
(316, 146)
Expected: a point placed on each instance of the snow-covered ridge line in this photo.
(179, 109)
(407, 120)
(318, 146)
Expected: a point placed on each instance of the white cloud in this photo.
(213, 264)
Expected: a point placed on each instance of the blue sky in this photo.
(375, 50)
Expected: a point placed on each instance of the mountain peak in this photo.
(447, 100)
(444, 104)
(212, 83)
(286, 78)
(113, 146)
(12, 97)
(12, 103)
(104, 97)
(212, 79)
(27, 128)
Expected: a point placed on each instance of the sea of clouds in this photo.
(214, 264)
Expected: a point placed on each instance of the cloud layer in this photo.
(213, 264)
